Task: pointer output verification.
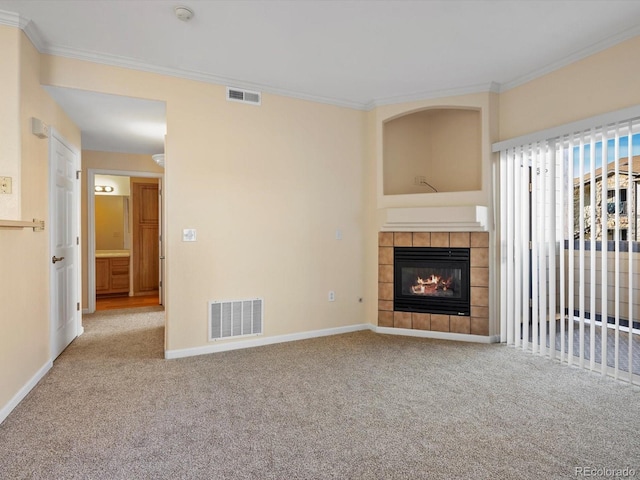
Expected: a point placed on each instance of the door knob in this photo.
(55, 259)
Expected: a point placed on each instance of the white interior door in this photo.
(65, 268)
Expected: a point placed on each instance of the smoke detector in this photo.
(183, 13)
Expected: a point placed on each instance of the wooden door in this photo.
(144, 199)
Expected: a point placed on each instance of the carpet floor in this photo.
(353, 406)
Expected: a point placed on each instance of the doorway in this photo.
(64, 162)
(125, 250)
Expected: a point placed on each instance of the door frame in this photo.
(53, 214)
(91, 225)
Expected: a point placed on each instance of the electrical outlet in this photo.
(419, 180)
(332, 296)
(5, 184)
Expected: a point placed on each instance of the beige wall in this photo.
(24, 256)
(93, 160)
(265, 187)
(456, 156)
(604, 82)
(9, 120)
(407, 147)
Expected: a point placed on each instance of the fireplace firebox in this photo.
(432, 280)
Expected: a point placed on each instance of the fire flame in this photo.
(431, 284)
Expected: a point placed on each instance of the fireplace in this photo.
(477, 323)
(432, 280)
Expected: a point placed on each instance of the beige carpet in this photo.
(354, 406)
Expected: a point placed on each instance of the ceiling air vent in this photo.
(243, 96)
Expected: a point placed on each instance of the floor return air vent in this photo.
(243, 96)
(235, 318)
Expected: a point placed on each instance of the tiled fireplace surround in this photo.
(477, 323)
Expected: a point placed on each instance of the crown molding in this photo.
(574, 57)
(32, 33)
(25, 24)
(492, 87)
(126, 62)
(13, 19)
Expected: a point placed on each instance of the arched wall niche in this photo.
(432, 150)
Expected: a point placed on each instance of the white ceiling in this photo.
(357, 53)
(112, 123)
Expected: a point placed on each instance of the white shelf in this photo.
(472, 218)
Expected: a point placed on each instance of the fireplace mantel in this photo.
(471, 218)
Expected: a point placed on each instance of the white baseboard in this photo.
(261, 341)
(459, 337)
(17, 398)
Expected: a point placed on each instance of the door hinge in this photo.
(530, 187)
(77, 240)
(78, 172)
(530, 245)
(78, 306)
(530, 303)
(160, 283)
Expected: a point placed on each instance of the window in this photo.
(566, 289)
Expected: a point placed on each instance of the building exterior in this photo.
(627, 202)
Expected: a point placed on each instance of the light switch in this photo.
(189, 235)
(5, 184)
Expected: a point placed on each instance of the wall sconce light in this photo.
(103, 189)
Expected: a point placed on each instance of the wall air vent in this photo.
(243, 96)
(235, 318)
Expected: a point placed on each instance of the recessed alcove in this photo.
(433, 151)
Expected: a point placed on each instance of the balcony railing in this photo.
(616, 280)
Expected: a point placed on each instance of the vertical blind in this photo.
(570, 256)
